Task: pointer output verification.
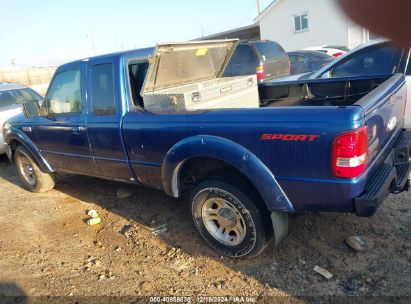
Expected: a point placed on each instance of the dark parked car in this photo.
(308, 61)
(265, 58)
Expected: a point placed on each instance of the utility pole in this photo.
(258, 7)
(115, 42)
(90, 36)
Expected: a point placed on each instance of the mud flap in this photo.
(280, 226)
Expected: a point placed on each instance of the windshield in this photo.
(12, 97)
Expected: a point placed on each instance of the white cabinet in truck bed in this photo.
(221, 93)
(188, 76)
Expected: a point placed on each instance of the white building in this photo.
(297, 24)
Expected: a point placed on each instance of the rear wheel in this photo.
(228, 220)
(32, 177)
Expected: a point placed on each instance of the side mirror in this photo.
(31, 108)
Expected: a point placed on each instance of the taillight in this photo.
(349, 153)
(338, 54)
(260, 72)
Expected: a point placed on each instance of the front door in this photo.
(62, 134)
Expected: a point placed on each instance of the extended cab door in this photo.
(62, 134)
(104, 120)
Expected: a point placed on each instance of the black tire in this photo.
(31, 176)
(243, 213)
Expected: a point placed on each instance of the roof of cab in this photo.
(129, 54)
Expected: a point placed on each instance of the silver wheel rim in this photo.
(223, 221)
(27, 170)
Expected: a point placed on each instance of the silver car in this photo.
(11, 97)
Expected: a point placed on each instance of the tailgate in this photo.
(384, 116)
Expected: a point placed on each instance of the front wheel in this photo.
(228, 220)
(32, 177)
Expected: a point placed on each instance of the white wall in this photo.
(356, 35)
(327, 25)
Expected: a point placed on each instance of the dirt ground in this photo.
(46, 248)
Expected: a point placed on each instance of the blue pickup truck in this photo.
(322, 145)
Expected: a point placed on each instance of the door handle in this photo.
(78, 129)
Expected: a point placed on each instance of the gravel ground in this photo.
(47, 249)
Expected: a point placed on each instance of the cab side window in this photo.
(102, 89)
(137, 73)
(64, 95)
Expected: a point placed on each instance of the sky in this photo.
(51, 32)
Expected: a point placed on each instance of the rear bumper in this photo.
(391, 177)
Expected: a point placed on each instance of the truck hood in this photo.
(175, 64)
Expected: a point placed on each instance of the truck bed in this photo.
(320, 108)
(318, 92)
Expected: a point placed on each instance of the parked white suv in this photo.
(11, 97)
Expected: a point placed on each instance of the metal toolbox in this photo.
(187, 76)
(222, 93)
